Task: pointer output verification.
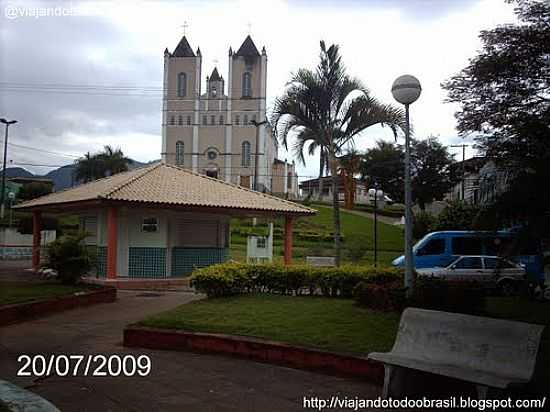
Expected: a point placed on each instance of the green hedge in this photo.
(235, 278)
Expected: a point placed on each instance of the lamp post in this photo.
(406, 90)
(11, 196)
(256, 154)
(375, 224)
(3, 205)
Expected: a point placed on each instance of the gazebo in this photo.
(159, 222)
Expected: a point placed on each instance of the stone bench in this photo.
(490, 353)
(323, 261)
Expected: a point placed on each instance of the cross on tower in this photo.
(185, 26)
(215, 62)
(249, 25)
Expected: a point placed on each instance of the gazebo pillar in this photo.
(288, 240)
(36, 227)
(112, 242)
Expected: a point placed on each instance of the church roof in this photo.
(183, 49)
(215, 76)
(166, 185)
(248, 48)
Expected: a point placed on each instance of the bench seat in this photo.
(471, 375)
(490, 353)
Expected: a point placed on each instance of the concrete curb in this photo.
(256, 349)
(21, 400)
(21, 312)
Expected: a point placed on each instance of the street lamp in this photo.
(406, 90)
(256, 154)
(2, 206)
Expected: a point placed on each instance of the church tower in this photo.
(223, 134)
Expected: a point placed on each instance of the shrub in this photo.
(69, 257)
(386, 297)
(234, 278)
(437, 294)
(434, 294)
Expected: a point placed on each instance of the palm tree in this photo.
(87, 168)
(95, 166)
(327, 108)
(113, 160)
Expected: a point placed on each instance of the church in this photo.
(223, 131)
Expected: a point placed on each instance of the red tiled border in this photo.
(256, 349)
(21, 312)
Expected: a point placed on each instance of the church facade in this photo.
(223, 131)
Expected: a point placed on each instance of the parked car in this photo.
(491, 271)
(440, 249)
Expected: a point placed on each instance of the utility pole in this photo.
(256, 152)
(3, 206)
(463, 184)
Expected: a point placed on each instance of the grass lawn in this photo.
(355, 229)
(332, 324)
(17, 292)
(326, 323)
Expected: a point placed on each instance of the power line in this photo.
(41, 150)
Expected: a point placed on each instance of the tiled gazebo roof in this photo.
(168, 185)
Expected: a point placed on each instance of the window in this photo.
(245, 181)
(212, 155)
(182, 85)
(180, 120)
(221, 120)
(260, 242)
(494, 263)
(469, 263)
(245, 119)
(188, 120)
(289, 181)
(466, 246)
(212, 173)
(237, 119)
(253, 121)
(433, 247)
(150, 225)
(179, 153)
(204, 120)
(247, 84)
(172, 120)
(245, 155)
(212, 120)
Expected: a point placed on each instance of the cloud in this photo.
(121, 44)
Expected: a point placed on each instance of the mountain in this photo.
(62, 177)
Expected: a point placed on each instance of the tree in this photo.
(349, 166)
(106, 163)
(33, 190)
(504, 98)
(328, 108)
(431, 171)
(385, 165)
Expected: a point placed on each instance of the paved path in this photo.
(179, 381)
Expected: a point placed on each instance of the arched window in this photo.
(182, 85)
(221, 120)
(237, 119)
(180, 120)
(289, 180)
(179, 153)
(247, 84)
(212, 120)
(204, 120)
(188, 120)
(172, 120)
(245, 155)
(245, 120)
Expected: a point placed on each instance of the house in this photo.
(478, 181)
(285, 180)
(221, 131)
(159, 222)
(310, 188)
